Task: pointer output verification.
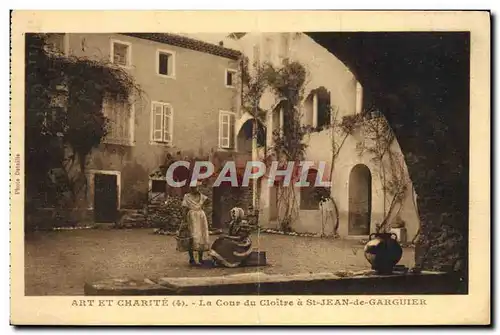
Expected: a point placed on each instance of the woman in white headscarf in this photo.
(233, 249)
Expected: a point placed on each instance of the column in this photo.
(359, 98)
(315, 110)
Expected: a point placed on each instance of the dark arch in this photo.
(323, 104)
(432, 94)
(360, 200)
(244, 136)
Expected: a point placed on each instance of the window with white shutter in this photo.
(226, 130)
(162, 123)
(120, 123)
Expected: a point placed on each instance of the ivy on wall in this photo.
(64, 117)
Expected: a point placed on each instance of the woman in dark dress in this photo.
(233, 249)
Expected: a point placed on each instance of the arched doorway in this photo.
(360, 200)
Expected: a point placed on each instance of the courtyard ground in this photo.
(60, 262)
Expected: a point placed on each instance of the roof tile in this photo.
(188, 43)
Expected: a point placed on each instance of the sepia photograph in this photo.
(328, 166)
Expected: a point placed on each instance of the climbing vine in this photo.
(287, 83)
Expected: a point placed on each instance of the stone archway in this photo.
(430, 96)
(360, 200)
(244, 136)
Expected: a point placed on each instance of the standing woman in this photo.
(193, 234)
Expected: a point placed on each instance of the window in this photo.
(56, 43)
(230, 78)
(226, 130)
(158, 186)
(324, 108)
(120, 123)
(165, 63)
(121, 53)
(162, 123)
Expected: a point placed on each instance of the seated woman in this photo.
(232, 249)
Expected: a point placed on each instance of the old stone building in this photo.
(187, 108)
(357, 180)
(191, 106)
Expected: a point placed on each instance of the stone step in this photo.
(259, 283)
(135, 216)
(125, 221)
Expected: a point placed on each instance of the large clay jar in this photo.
(383, 251)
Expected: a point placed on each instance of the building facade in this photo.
(192, 105)
(356, 180)
(187, 107)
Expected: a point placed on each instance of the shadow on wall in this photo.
(135, 186)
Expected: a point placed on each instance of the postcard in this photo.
(250, 168)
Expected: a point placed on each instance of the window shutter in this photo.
(231, 130)
(220, 130)
(113, 120)
(167, 124)
(121, 119)
(130, 124)
(225, 130)
(126, 122)
(107, 114)
(157, 123)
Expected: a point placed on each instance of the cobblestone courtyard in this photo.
(60, 262)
